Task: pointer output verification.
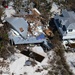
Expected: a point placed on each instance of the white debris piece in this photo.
(55, 9)
(32, 24)
(35, 33)
(8, 12)
(39, 50)
(11, 3)
(31, 5)
(64, 44)
(34, 9)
(39, 28)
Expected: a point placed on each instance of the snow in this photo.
(70, 58)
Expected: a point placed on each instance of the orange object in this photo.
(48, 32)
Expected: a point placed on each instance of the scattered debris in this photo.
(28, 30)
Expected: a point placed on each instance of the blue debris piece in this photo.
(41, 36)
(28, 63)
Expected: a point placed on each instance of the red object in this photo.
(6, 6)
